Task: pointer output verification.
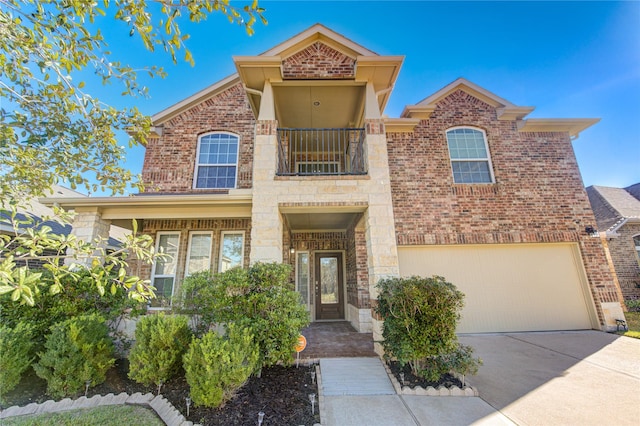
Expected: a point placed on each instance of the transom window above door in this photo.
(469, 155)
(217, 162)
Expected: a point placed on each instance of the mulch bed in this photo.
(282, 393)
(413, 381)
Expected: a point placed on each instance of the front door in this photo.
(329, 286)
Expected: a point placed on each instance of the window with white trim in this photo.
(636, 242)
(199, 253)
(302, 276)
(217, 162)
(231, 250)
(469, 155)
(164, 269)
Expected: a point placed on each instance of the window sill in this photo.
(475, 189)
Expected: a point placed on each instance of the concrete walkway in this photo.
(357, 391)
(555, 378)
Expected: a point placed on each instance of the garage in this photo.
(510, 287)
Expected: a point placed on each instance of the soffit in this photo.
(571, 125)
(322, 105)
(307, 222)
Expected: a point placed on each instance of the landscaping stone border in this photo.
(430, 390)
(163, 408)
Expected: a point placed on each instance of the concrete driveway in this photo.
(559, 378)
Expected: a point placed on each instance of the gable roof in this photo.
(269, 64)
(613, 207)
(505, 110)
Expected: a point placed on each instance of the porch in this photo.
(336, 339)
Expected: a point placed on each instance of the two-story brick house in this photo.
(292, 160)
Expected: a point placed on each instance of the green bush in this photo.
(77, 350)
(197, 299)
(633, 305)
(216, 366)
(420, 318)
(260, 298)
(161, 341)
(76, 297)
(16, 355)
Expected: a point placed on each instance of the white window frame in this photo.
(636, 243)
(191, 234)
(468, 160)
(222, 234)
(198, 164)
(153, 268)
(307, 303)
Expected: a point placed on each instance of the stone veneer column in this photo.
(266, 223)
(87, 226)
(382, 251)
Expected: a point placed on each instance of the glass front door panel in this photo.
(329, 280)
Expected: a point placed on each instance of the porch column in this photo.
(87, 226)
(380, 232)
(266, 222)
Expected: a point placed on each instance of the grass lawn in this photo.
(633, 322)
(113, 415)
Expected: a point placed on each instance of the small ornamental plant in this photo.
(420, 318)
(161, 341)
(217, 366)
(16, 347)
(78, 351)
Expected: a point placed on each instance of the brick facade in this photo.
(216, 226)
(169, 160)
(625, 260)
(537, 197)
(318, 61)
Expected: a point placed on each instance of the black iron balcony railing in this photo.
(312, 152)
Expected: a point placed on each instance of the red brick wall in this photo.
(170, 160)
(538, 194)
(625, 260)
(318, 61)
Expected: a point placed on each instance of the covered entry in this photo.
(510, 287)
(327, 248)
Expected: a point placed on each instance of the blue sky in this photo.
(567, 59)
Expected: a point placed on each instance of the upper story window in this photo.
(469, 155)
(217, 162)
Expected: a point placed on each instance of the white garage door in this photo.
(509, 287)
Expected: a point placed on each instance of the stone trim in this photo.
(163, 408)
(430, 390)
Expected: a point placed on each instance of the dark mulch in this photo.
(282, 393)
(413, 381)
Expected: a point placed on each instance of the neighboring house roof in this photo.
(613, 207)
(36, 211)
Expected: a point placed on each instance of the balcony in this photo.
(321, 152)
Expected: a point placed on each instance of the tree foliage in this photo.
(52, 130)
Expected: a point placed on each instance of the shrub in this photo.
(216, 366)
(197, 299)
(420, 317)
(16, 347)
(77, 350)
(76, 297)
(633, 305)
(260, 298)
(161, 341)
